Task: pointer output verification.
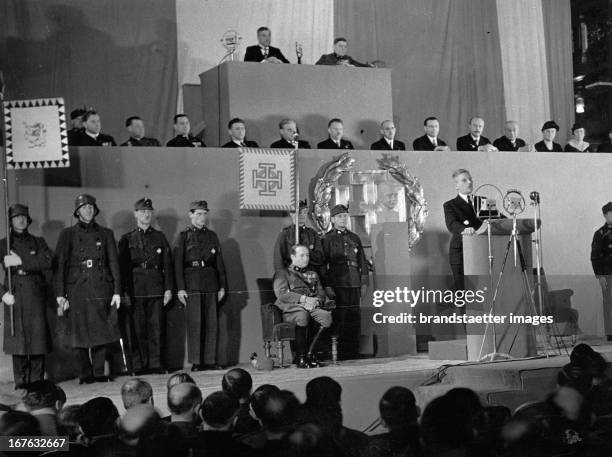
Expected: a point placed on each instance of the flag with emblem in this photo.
(36, 134)
(267, 179)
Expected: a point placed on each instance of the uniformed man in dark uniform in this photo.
(183, 138)
(135, 126)
(29, 258)
(601, 259)
(201, 284)
(146, 270)
(345, 279)
(88, 287)
(308, 237)
(76, 124)
(91, 134)
(300, 296)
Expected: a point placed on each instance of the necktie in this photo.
(243, 144)
(391, 144)
(435, 142)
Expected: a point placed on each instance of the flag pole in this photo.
(6, 217)
(297, 199)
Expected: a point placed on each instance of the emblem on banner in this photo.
(36, 134)
(267, 179)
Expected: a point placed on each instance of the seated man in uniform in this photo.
(300, 295)
(289, 136)
(136, 128)
(237, 132)
(430, 141)
(601, 260)
(388, 141)
(335, 128)
(510, 141)
(91, 134)
(339, 56)
(183, 139)
(263, 52)
(76, 124)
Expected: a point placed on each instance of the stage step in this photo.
(448, 350)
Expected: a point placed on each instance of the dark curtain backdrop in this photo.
(445, 59)
(115, 55)
(558, 34)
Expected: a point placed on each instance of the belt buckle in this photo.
(20, 272)
(89, 263)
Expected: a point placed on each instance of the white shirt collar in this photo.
(389, 142)
(464, 197)
(95, 137)
(432, 139)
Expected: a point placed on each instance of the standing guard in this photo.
(146, 269)
(26, 337)
(88, 288)
(201, 284)
(345, 279)
(308, 238)
(601, 259)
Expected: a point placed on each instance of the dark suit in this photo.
(247, 144)
(329, 144)
(504, 144)
(540, 146)
(605, 147)
(601, 260)
(284, 144)
(333, 59)
(382, 145)
(144, 141)
(423, 143)
(181, 141)
(83, 139)
(458, 215)
(254, 54)
(467, 143)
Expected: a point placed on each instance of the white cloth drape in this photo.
(523, 54)
(201, 23)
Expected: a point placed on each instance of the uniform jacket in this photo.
(198, 263)
(333, 59)
(382, 145)
(141, 142)
(286, 239)
(82, 139)
(88, 275)
(504, 144)
(458, 215)
(601, 251)
(345, 262)
(423, 143)
(146, 263)
(31, 328)
(467, 143)
(284, 144)
(329, 144)
(254, 54)
(189, 141)
(247, 144)
(291, 283)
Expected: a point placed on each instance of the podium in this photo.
(264, 94)
(392, 269)
(516, 340)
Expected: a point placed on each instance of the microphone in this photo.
(534, 195)
(296, 137)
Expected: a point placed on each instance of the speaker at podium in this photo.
(482, 269)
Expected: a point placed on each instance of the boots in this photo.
(302, 361)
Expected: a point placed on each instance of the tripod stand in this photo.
(515, 244)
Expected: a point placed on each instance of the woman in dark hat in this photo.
(549, 130)
(577, 144)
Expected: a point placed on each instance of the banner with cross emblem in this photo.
(36, 135)
(267, 179)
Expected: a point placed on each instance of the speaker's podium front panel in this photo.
(263, 94)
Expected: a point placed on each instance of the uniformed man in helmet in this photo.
(28, 340)
(345, 279)
(146, 272)
(308, 237)
(601, 259)
(88, 287)
(201, 283)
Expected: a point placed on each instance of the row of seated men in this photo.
(86, 131)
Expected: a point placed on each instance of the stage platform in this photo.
(364, 381)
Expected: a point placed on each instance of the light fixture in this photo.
(579, 104)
